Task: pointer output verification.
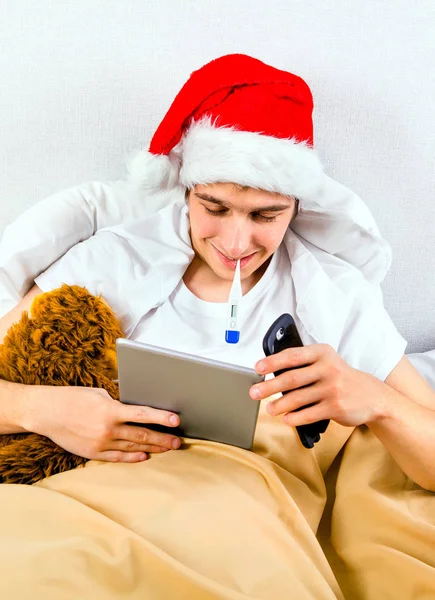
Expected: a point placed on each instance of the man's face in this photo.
(229, 223)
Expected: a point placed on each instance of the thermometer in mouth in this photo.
(232, 332)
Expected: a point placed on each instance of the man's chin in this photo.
(221, 271)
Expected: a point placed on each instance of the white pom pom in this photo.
(152, 172)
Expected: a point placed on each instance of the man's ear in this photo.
(295, 212)
(296, 209)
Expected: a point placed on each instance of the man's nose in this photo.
(236, 237)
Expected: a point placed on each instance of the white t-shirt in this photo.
(188, 324)
(138, 269)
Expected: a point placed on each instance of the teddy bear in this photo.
(69, 339)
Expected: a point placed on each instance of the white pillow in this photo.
(47, 230)
(424, 362)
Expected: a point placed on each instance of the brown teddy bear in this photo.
(68, 339)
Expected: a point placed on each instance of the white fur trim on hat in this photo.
(152, 172)
(208, 154)
(224, 154)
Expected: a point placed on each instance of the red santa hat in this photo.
(235, 120)
(241, 121)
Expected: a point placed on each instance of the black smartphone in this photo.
(283, 334)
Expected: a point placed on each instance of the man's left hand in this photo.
(333, 389)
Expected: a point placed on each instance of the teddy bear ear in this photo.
(37, 302)
(51, 304)
(44, 302)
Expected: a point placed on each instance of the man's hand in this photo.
(89, 423)
(334, 389)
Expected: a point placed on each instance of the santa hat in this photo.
(239, 120)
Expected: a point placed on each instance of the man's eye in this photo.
(255, 216)
(216, 213)
(263, 218)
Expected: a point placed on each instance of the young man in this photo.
(239, 138)
(230, 175)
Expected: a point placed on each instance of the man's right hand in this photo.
(88, 422)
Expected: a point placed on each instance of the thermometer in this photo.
(232, 332)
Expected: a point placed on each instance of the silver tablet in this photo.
(211, 397)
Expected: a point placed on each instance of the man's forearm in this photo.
(407, 431)
(13, 401)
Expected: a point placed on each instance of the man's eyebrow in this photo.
(219, 202)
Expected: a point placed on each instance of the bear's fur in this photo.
(69, 339)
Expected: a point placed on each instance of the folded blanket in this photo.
(211, 521)
(378, 530)
(206, 521)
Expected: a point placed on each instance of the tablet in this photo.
(211, 397)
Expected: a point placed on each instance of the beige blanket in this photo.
(212, 521)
